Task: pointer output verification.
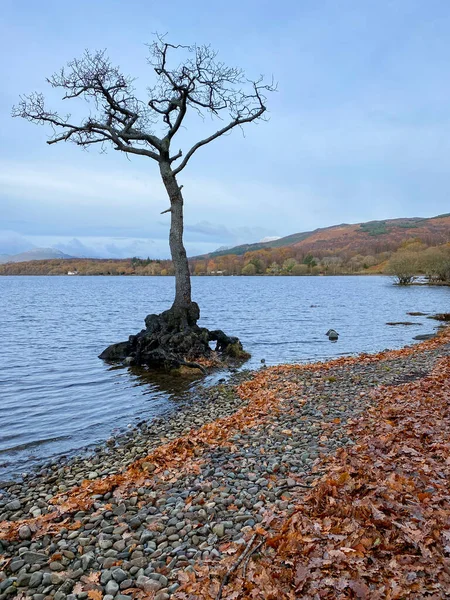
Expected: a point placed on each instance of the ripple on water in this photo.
(57, 396)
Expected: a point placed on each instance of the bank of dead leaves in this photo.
(376, 527)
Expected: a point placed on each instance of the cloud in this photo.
(102, 247)
(75, 247)
(13, 243)
(114, 247)
(222, 234)
(79, 202)
(359, 130)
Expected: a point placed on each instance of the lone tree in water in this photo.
(199, 84)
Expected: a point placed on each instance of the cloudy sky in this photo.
(359, 128)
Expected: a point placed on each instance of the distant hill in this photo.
(372, 237)
(34, 254)
(340, 249)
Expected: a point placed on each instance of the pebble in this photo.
(180, 520)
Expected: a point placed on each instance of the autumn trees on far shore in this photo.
(410, 260)
(416, 259)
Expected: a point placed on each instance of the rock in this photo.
(10, 591)
(57, 578)
(219, 530)
(25, 532)
(119, 575)
(35, 579)
(23, 579)
(148, 585)
(87, 560)
(112, 587)
(13, 505)
(173, 588)
(32, 558)
(67, 586)
(332, 335)
(4, 585)
(135, 523)
(148, 466)
(16, 565)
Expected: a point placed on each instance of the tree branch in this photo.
(197, 82)
(217, 134)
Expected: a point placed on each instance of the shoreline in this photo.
(155, 504)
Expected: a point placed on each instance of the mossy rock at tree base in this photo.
(235, 350)
(173, 342)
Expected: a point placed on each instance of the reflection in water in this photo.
(58, 397)
(161, 382)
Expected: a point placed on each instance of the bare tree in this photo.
(403, 265)
(199, 84)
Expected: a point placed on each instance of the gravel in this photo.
(144, 539)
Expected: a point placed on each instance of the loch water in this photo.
(57, 397)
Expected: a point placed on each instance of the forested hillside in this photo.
(374, 247)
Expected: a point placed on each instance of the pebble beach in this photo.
(124, 522)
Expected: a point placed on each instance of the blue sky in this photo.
(359, 128)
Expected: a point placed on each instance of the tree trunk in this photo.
(183, 298)
(173, 339)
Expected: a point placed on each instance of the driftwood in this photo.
(235, 565)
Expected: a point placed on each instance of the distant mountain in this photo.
(34, 254)
(372, 237)
(12, 243)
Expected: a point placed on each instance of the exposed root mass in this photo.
(172, 340)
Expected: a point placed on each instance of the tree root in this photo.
(193, 365)
(172, 340)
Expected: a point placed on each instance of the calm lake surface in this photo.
(57, 397)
